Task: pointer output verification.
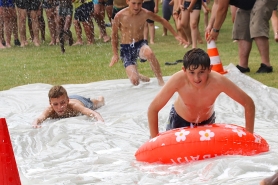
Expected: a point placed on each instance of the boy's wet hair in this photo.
(57, 91)
(195, 58)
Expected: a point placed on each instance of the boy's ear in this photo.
(210, 68)
(183, 68)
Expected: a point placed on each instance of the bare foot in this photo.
(200, 41)
(187, 45)
(97, 103)
(164, 34)
(2, 47)
(52, 43)
(106, 38)
(78, 43)
(144, 78)
(37, 44)
(8, 45)
(151, 42)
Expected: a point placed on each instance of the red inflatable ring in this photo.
(186, 144)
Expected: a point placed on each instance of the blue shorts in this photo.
(167, 10)
(175, 121)
(130, 52)
(86, 101)
(65, 10)
(83, 12)
(46, 4)
(197, 6)
(7, 3)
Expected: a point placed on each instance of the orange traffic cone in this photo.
(214, 58)
(8, 170)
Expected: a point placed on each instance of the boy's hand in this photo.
(35, 125)
(114, 59)
(98, 117)
(181, 40)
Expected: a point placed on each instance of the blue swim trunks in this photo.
(130, 52)
(86, 101)
(7, 3)
(175, 121)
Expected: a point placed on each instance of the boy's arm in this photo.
(158, 103)
(87, 112)
(166, 24)
(46, 113)
(114, 40)
(156, 6)
(237, 94)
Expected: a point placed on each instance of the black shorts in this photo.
(47, 5)
(197, 6)
(175, 121)
(28, 4)
(109, 3)
(149, 5)
(83, 12)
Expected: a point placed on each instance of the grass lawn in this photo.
(85, 64)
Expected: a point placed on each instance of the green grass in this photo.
(85, 64)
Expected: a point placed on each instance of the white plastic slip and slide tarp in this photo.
(79, 150)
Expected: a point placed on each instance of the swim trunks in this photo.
(7, 3)
(130, 52)
(175, 121)
(47, 5)
(83, 12)
(28, 4)
(86, 101)
(197, 6)
(65, 10)
(167, 10)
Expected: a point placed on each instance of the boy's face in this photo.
(134, 6)
(197, 77)
(59, 104)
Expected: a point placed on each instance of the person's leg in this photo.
(152, 32)
(67, 28)
(2, 28)
(147, 53)
(29, 23)
(263, 47)
(146, 31)
(133, 74)
(50, 14)
(41, 23)
(61, 22)
(78, 31)
(22, 14)
(99, 12)
(194, 21)
(274, 23)
(244, 48)
(97, 103)
(34, 14)
(89, 31)
(14, 26)
(8, 26)
(184, 26)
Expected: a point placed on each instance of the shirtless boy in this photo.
(130, 22)
(63, 106)
(197, 87)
